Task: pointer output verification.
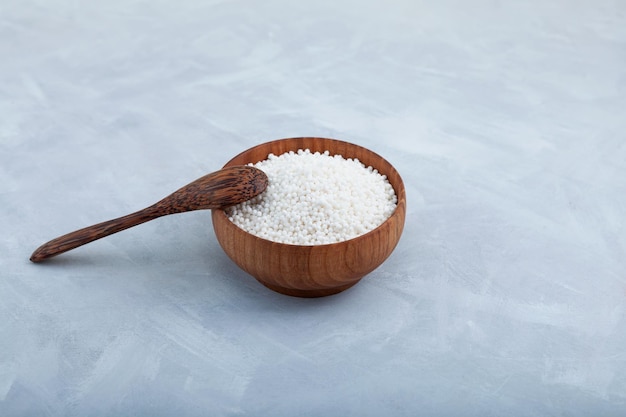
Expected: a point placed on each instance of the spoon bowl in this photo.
(316, 270)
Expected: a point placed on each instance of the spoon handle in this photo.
(89, 234)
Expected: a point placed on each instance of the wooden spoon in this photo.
(223, 188)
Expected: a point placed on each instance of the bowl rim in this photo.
(399, 193)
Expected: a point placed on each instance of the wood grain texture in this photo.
(313, 271)
(222, 188)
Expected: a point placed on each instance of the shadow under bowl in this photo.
(312, 270)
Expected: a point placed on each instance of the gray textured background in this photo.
(505, 296)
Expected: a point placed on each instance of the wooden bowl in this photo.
(317, 270)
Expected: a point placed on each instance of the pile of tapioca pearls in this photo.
(315, 198)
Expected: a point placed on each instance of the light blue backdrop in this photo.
(505, 296)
